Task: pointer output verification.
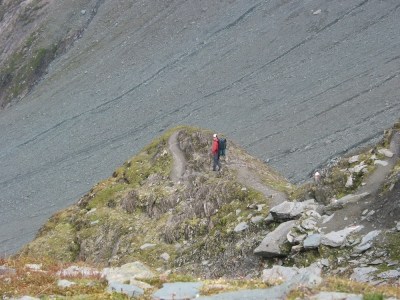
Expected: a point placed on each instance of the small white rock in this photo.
(317, 12)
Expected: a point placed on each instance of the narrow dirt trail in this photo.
(179, 161)
(252, 180)
(247, 177)
(354, 213)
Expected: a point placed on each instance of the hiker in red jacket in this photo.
(215, 153)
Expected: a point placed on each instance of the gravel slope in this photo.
(294, 82)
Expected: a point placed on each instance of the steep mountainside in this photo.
(296, 83)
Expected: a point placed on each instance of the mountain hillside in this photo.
(167, 209)
(87, 83)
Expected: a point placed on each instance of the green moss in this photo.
(392, 244)
(105, 196)
(373, 296)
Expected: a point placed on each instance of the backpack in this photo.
(221, 146)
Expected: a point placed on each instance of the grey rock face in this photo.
(271, 245)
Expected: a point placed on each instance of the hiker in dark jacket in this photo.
(215, 153)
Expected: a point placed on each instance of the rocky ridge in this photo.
(164, 212)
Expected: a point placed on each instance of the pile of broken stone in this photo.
(301, 228)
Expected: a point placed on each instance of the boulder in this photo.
(127, 272)
(363, 274)
(278, 274)
(165, 256)
(312, 241)
(309, 224)
(349, 182)
(128, 289)
(272, 244)
(338, 238)
(350, 198)
(257, 219)
(354, 159)
(359, 168)
(63, 283)
(241, 227)
(385, 152)
(366, 241)
(390, 274)
(292, 210)
(178, 291)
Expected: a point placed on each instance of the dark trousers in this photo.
(216, 162)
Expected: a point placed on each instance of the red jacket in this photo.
(215, 146)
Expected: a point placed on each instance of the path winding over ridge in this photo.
(293, 82)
